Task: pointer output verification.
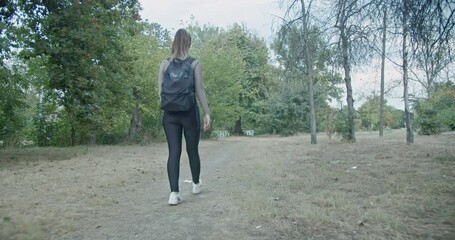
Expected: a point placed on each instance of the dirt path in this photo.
(121, 193)
(146, 215)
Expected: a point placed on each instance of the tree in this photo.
(48, 128)
(309, 69)
(369, 113)
(254, 54)
(374, 33)
(303, 54)
(433, 41)
(325, 79)
(12, 102)
(437, 114)
(393, 118)
(352, 34)
(84, 56)
(144, 51)
(12, 85)
(405, 34)
(383, 55)
(288, 112)
(253, 69)
(310, 73)
(201, 35)
(423, 25)
(223, 72)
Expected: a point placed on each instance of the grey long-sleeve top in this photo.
(199, 84)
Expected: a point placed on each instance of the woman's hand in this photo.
(206, 122)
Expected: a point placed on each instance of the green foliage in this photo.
(393, 118)
(235, 74)
(428, 122)
(12, 103)
(7, 12)
(368, 114)
(85, 65)
(255, 88)
(144, 53)
(12, 84)
(52, 129)
(437, 114)
(201, 35)
(342, 124)
(91, 76)
(222, 72)
(288, 113)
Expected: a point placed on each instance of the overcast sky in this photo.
(258, 15)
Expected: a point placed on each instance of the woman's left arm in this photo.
(200, 92)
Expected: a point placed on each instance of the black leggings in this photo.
(174, 123)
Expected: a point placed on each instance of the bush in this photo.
(436, 114)
(428, 122)
(288, 114)
(341, 124)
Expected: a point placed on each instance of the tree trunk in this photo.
(347, 80)
(135, 124)
(409, 130)
(309, 67)
(345, 48)
(73, 135)
(381, 110)
(238, 127)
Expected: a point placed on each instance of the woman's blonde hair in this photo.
(181, 45)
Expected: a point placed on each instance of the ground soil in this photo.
(121, 192)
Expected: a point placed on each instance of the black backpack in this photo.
(177, 89)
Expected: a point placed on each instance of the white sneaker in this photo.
(197, 187)
(174, 198)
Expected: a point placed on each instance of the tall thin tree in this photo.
(343, 15)
(382, 103)
(405, 49)
(303, 55)
(309, 70)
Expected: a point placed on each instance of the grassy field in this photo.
(277, 188)
(374, 189)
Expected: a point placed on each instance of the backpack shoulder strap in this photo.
(194, 63)
(165, 63)
(190, 60)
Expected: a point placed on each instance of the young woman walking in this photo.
(187, 122)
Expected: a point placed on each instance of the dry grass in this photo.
(49, 191)
(19, 229)
(373, 189)
(257, 188)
